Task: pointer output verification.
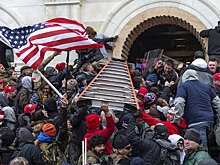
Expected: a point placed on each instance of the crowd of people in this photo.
(177, 122)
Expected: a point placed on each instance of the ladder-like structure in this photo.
(112, 84)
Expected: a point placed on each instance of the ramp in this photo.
(112, 84)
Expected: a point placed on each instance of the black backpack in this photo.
(5, 155)
(168, 156)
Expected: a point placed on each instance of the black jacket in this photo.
(5, 154)
(73, 139)
(88, 55)
(29, 151)
(214, 37)
(149, 149)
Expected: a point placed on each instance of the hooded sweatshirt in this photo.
(27, 83)
(50, 106)
(29, 151)
(197, 96)
(214, 44)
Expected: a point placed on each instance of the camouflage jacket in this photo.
(116, 157)
(51, 154)
(92, 158)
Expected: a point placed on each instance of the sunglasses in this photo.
(180, 142)
(128, 148)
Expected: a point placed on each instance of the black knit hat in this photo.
(193, 135)
(160, 131)
(121, 141)
(7, 138)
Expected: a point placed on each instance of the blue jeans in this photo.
(204, 129)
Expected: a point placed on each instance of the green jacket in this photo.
(195, 157)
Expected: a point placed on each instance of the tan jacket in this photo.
(92, 158)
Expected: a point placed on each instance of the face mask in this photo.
(148, 85)
(56, 85)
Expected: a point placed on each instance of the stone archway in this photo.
(201, 14)
(154, 21)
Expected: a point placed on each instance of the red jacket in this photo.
(172, 129)
(107, 132)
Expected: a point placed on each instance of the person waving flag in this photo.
(30, 43)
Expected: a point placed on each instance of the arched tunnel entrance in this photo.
(176, 37)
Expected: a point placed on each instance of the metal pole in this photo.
(83, 153)
(67, 69)
(85, 150)
(49, 83)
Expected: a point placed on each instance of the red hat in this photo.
(143, 65)
(28, 108)
(9, 89)
(93, 121)
(2, 80)
(1, 116)
(32, 79)
(217, 76)
(49, 130)
(60, 66)
(142, 91)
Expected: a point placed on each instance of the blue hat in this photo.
(152, 78)
(137, 161)
(127, 117)
(138, 66)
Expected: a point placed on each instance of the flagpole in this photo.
(67, 69)
(49, 83)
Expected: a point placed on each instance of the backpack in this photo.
(52, 154)
(5, 155)
(167, 155)
(146, 132)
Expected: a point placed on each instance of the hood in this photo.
(9, 114)
(174, 139)
(201, 63)
(217, 28)
(3, 99)
(49, 71)
(27, 83)
(166, 144)
(189, 75)
(50, 105)
(44, 138)
(23, 119)
(25, 135)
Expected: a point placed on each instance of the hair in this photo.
(10, 72)
(211, 58)
(19, 161)
(96, 140)
(199, 54)
(136, 73)
(90, 31)
(42, 85)
(38, 115)
(169, 62)
(131, 65)
(86, 66)
(136, 81)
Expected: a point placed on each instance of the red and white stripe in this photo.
(60, 34)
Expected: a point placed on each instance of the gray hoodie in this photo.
(27, 83)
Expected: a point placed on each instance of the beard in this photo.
(100, 153)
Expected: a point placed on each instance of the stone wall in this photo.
(112, 17)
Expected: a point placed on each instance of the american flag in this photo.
(30, 43)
